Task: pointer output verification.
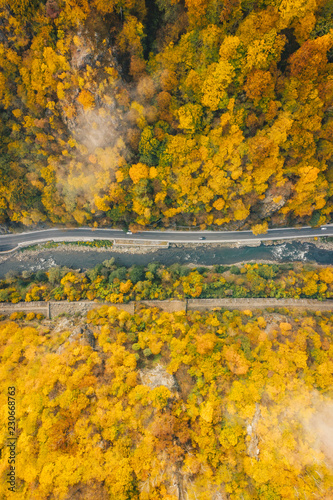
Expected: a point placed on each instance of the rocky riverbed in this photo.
(78, 257)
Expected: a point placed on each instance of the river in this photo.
(284, 252)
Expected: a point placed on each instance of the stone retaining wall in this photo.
(141, 243)
(209, 304)
(36, 307)
(165, 305)
(82, 307)
(53, 309)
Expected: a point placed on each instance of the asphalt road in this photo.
(11, 241)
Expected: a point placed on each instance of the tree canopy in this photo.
(202, 112)
(157, 405)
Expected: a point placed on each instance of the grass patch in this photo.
(54, 244)
(326, 239)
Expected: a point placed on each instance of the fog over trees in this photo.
(204, 113)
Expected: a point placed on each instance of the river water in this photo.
(202, 255)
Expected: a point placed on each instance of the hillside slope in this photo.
(203, 113)
(222, 405)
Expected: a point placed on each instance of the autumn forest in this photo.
(140, 114)
(202, 113)
(112, 283)
(223, 405)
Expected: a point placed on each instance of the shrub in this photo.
(15, 297)
(136, 274)
(220, 269)
(185, 271)
(11, 276)
(132, 336)
(4, 295)
(175, 270)
(17, 315)
(26, 274)
(109, 263)
(267, 272)
(54, 275)
(92, 274)
(41, 276)
(153, 267)
(120, 274)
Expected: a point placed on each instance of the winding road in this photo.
(9, 242)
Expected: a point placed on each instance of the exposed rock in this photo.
(63, 324)
(247, 243)
(81, 56)
(3, 228)
(275, 199)
(88, 337)
(156, 377)
(176, 485)
(252, 447)
(82, 334)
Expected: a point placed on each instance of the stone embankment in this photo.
(209, 304)
(117, 242)
(53, 309)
